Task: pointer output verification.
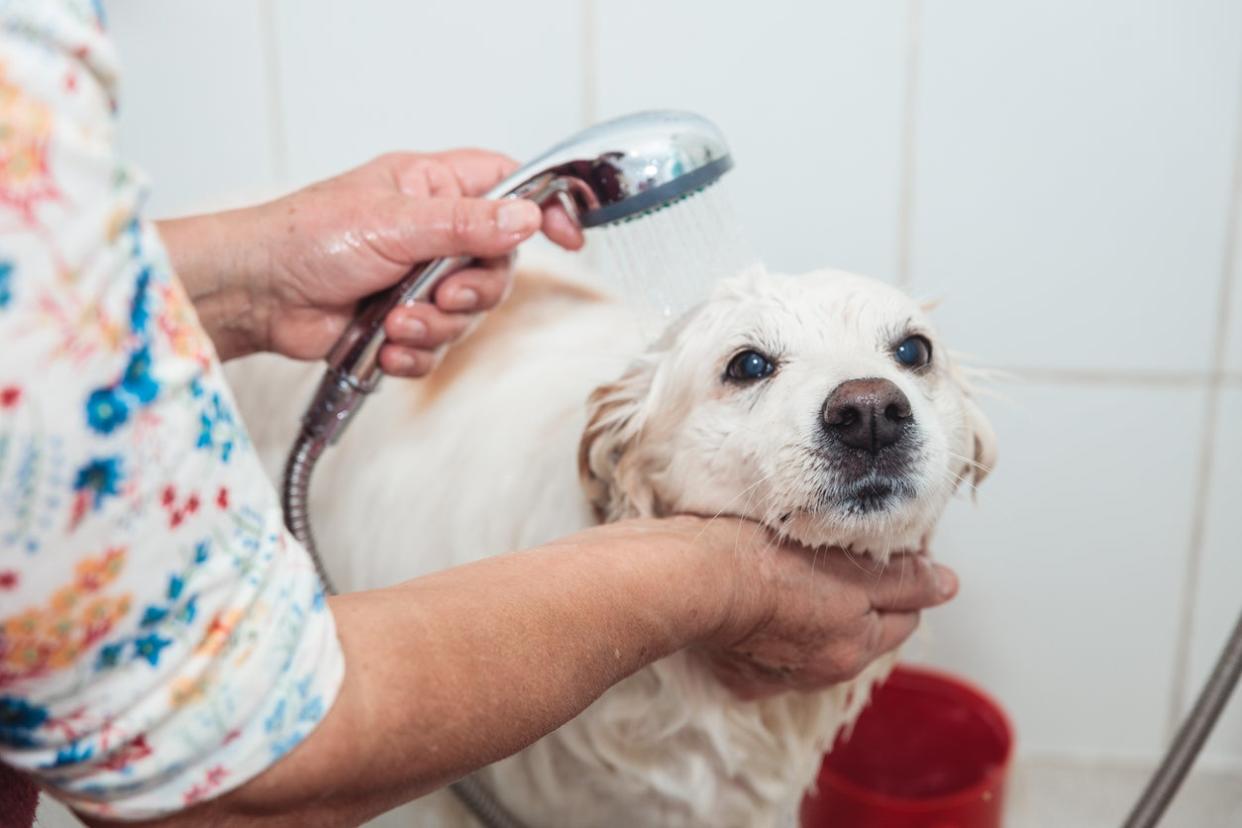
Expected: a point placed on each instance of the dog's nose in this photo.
(867, 414)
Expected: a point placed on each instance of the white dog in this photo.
(821, 405)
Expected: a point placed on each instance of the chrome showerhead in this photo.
(626, 167)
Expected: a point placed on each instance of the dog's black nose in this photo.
(867, 414)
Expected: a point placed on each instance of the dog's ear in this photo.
(984, 439)
(979, 430)
(608, 465)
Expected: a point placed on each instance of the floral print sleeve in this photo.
(162, 638)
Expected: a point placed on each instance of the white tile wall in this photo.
(1220, 573)
(1072, 165)
(1233, 339)
(1071, 564)
(195, 109)
(366, 76)
(809, 96)
(1233, 353)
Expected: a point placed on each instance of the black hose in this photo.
(1190, 737)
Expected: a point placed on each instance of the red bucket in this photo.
(930, 751)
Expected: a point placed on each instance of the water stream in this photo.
(665, 262)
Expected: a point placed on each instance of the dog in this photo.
(823, 406)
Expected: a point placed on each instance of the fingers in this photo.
(910, 583)
(845, 658)
(417, 333)
(400, 361)
(476, 170)
(423, 326)
(892, 630)
(561, 229)
(470, 173)
(424, 229)
(476, 289)
(467, 172)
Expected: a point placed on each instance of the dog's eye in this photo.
(914, 352)
(749, 365)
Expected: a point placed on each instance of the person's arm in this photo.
(451, 671)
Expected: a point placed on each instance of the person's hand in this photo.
(806, 619)
(286, 276)
(772, 616)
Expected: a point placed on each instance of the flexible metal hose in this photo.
(485, 807)
(1190, 737)
(295, 499)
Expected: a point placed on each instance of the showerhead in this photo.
(627, 167)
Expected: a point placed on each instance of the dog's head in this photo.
(822, 405)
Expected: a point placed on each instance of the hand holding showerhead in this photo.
(608, 174)
(611, 173)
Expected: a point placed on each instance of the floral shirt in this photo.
(162, 637)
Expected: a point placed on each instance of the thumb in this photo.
(910, 583)
(434, 227)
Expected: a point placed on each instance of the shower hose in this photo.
(1146, 813)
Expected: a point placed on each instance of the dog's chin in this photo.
(874, 513)
(873, 497)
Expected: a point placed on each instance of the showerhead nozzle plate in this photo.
(627, 167)
(656, 198)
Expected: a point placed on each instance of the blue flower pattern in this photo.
(218, 429)
(19, 719)
(99, 479)
(6, 283)
(106, 410)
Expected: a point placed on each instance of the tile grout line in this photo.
(1087, 376)
(277, 144)
(588, 53)
(1207, 442)
(905, 195)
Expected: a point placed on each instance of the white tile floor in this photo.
(1049, 793)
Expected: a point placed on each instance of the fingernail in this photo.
(517, 215)
(409, 327)
(402, 362)
(464, 299)
(946, 581)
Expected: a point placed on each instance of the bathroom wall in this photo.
(1063, 176)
